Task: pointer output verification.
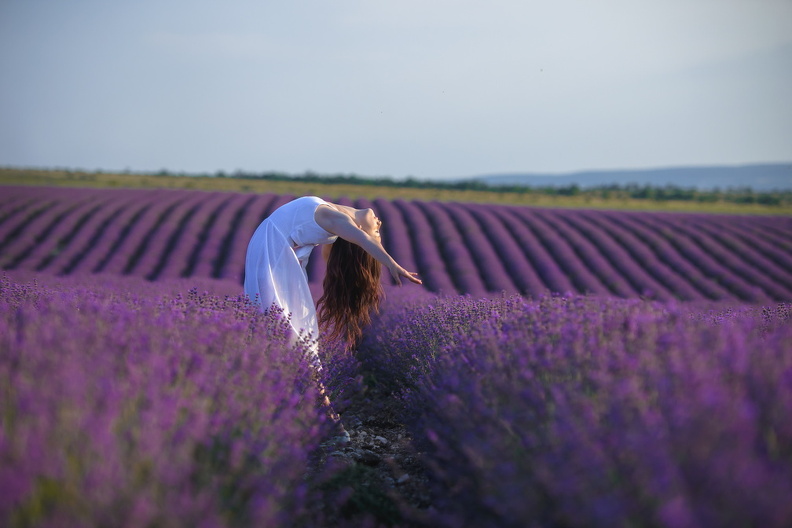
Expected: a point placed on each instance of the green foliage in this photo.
(737, 200)
(353, 488)
(742, 195)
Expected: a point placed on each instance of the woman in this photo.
(275, 272)
(277, 255)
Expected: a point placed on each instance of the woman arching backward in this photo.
(276, 260)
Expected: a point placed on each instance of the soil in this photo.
(377, 478)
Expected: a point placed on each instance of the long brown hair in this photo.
(352, 290)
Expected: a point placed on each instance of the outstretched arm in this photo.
(343, 226)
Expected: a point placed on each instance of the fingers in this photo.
(398, 272)
(412, 277)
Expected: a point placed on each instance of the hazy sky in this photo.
(424, 88)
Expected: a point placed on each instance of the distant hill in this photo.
(764, 177)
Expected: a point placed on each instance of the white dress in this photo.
(275, 265)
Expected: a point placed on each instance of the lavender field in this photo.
(457, 248)
(560, 369)
(584, 411)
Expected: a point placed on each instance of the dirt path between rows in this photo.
(378, 478)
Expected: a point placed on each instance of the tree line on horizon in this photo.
(644, 191)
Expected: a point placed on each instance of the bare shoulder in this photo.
(329, 216)
(328, 211)
(344, 209)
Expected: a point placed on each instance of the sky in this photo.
(429, 89)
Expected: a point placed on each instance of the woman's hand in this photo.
(397, 272)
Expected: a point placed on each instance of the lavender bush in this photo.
(578, 411)
(123, 409)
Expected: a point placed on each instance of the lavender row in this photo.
(15, 207)
(208, 259)
(430, 263)
(51, 243)
(737, 262)
(620, 258)
(85, 240)
(515, 262)
(573, 411)
(395, 237)
(482, 249)
(188, 238)
(162, 235)
(636, 253)
(544, 263)
(772, 249)
(563, 255)
(776, 232)
(597, 261)
(36, 229)
(456, 256)
(703, 260)
(161, 411)
(668, 254)
(761, 256)
(236, 247)
(73, 232)
(764, 234)
(759, 234)
(109, 242)
(20, 220)
(456, 248)
(129, 239)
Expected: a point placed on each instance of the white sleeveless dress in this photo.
(275, 265)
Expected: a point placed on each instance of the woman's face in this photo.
(369, 222)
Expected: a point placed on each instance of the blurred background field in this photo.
(481, 249)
